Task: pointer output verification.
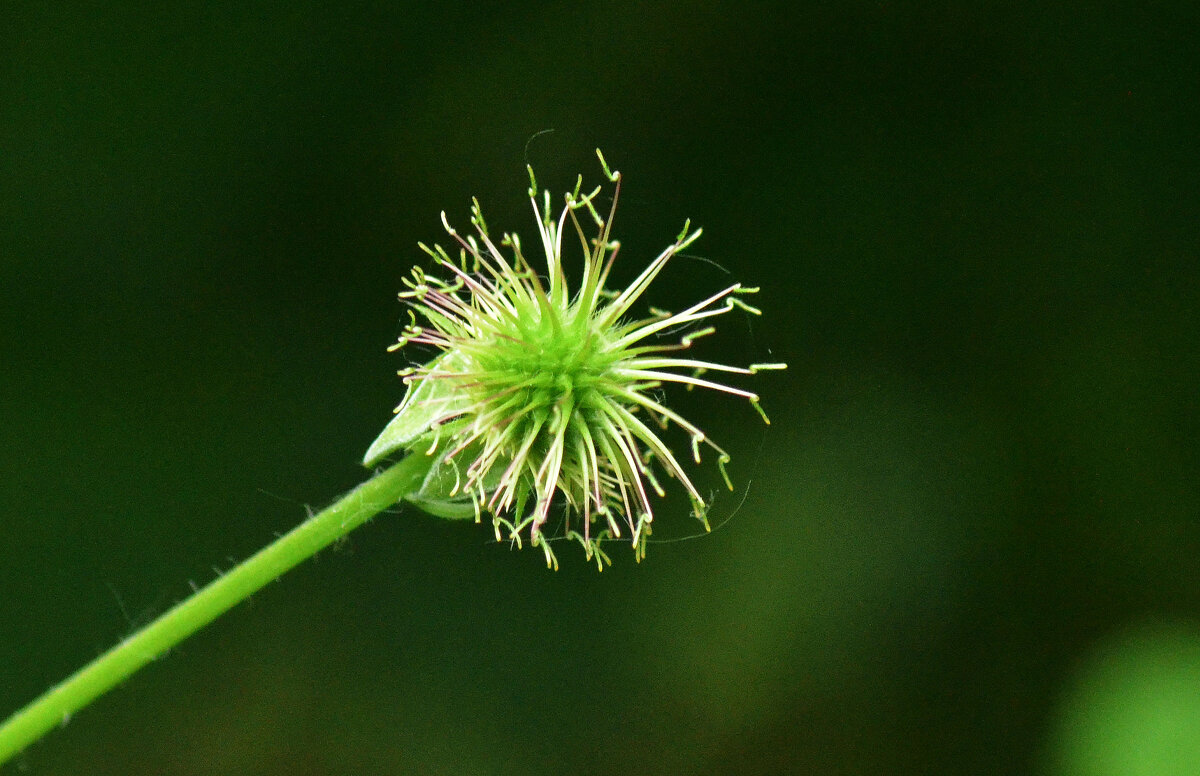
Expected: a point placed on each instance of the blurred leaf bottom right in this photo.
(1133, 707)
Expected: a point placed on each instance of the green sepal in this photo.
(426, 400)
(448, 509)
(441, 493)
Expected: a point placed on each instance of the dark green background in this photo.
(974, 515)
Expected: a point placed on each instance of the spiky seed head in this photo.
(540, 393)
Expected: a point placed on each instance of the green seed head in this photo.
(542, 395)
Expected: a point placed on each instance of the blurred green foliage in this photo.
(975, 225)
(1134, 709)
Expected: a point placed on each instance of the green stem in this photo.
(58, 703)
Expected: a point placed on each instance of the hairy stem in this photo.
(58, 703)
